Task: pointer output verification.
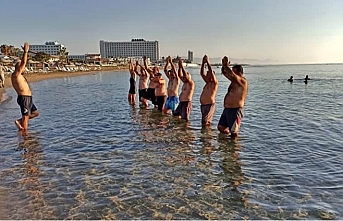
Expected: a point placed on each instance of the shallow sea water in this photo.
(90, 155)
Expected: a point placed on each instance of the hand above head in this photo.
(144, 57)
(205, 59)
(169, 59)
(26, 47)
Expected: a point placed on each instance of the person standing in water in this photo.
(173, 86)
(2, 77)
(234, 100)
(208, 95)
(24, 100)
(160, 91)
(143, 81)
(150, 94)
(184, 108)
(132, 90)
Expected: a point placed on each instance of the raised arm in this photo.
(180, 72)
(185, 74)
(211, 74)
(20, 67)
(146, 65)
(229, 74)
(202, 70)
(166, 68)
(174, 73)
(136, 69)
(131, 70)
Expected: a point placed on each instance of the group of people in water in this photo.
(152, 87)
(306, 79)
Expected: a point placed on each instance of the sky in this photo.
(260, 31)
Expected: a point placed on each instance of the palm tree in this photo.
(63, 55)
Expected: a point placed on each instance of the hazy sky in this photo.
(287, 31)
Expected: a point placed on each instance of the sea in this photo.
(92, 155)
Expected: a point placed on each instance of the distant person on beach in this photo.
(150, 94)
(143, 81)
(160, 91)
(173, 86)
(184, 108)
(2, 77)
(232, 115)
(132, 89)
(290, 79)
(24, 100)
(208, 95)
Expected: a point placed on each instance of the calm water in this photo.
(90, 155)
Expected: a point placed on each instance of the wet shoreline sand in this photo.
(35, 77)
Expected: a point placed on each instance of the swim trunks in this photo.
(150, 95)
(160, 100)
(132, 89)
(26, 105)
(172, 103)
(231, 118)
(141, 92)
(183, 109)
(207, 112)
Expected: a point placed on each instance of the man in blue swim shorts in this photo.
(231, 117)
(173, 87)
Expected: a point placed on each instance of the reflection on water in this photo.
(91, 155)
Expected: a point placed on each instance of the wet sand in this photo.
(34, 77)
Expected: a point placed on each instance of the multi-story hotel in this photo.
(190, 56)
(133, 48)
(51, 47)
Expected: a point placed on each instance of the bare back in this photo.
(20, 85)
(173, 86)
(208, 95)
(236, 95)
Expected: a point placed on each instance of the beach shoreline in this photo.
(35, 77)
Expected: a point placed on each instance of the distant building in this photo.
(50, 47)
(94, 59)
(190, 56)
(80, 57)
(133, 48)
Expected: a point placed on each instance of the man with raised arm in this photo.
(160, 91)
(150, 94)
(173, 86)
(143, 81)
(185, 105)
(24, 100)
(208, 95)
(230, 119)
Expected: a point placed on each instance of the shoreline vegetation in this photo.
(40, 76)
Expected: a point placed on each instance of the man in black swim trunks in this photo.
(150, 94)
(21, 86)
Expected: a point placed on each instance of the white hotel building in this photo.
(133, 48)
(51, 48)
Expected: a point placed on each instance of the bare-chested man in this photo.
(143, 81)
(150, 94)
(230, 120)
(185, 105)
(160, 91)
(208, 95)
(24, 100)
(173, 86)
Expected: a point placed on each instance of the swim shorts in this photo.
(172, 103)
(231, 118)
(183, 109)
(141, 93)
(150, 95)
(207, 112)
(160, 100)
(26, 105)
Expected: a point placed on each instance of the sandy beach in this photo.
(34, 77)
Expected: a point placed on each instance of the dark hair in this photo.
(238, 68)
